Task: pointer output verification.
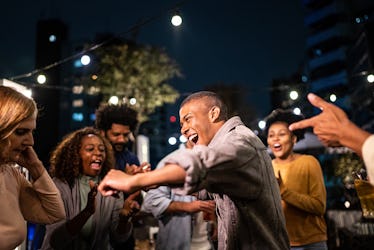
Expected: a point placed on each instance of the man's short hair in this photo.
(108, 114)
(212, 99)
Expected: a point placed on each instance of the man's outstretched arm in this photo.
(117, 180)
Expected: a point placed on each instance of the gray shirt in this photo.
(104, 221)
(236, 168)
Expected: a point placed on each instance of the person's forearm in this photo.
(124, 225)
(353, 137)
(36, 170)
(179, 207)
(170, 174)
(75, 225)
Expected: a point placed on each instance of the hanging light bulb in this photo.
(41, 79)
(370, 78)
(176, 19)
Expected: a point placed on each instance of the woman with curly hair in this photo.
(78, 164)
(38, 201)
(300, 181)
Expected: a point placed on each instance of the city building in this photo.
(339, 52)
(51, 42)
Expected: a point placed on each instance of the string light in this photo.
(96, 46)
(370, 78)
(41, 79)
(176, 19)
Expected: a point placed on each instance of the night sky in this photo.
(232, 42)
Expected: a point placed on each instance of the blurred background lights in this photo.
(78, 117)
(41, 79)
(261, 124)
(294, 95)
(85, 60)
(172, 119)
(77, 103)
(176, 19)
(370, 78)
(52, 38)
(172, 140)
(182, 139)
(113, 100)
(78, 89)
(297, 111)
(347, 204)
(333, 98)
(304, 78)
(132, 101)
(77, 63)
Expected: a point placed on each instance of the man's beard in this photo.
(118, 147)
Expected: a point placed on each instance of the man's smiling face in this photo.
(195, 122)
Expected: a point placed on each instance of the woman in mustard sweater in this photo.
(300, 181)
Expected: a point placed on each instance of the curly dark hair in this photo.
(108, 114)
(66, 163)
(286, 116)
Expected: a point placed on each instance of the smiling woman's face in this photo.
(92, 153)
(280, 139)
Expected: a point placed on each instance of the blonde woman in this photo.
(38, 201)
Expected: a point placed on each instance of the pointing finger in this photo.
(317, 101)
(302, 124)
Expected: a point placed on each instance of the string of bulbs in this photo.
(133, 28)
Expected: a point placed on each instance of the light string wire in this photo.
(96, 46)
(133, 28)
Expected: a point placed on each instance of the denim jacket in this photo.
(236, 168)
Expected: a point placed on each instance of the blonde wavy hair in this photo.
(14, 108)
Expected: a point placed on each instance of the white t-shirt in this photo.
(368, 156)
(199, 239)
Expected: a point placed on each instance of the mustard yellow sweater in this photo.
(303, 199)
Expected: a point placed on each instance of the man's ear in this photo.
(102, 132)
(214, 113)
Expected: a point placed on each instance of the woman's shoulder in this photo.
(13, 169)
(305, 158)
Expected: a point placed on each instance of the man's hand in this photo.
(333, 127)
(208, 206)
(117, 180)
(130, 208)
(327, 124)
(134, 169)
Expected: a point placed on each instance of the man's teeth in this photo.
(193, 138)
